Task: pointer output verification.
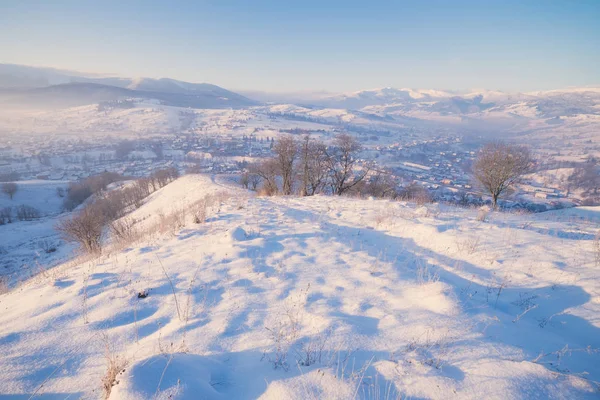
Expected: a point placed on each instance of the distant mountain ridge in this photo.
(57, 88)
(46, 86)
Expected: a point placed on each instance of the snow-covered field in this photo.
(39, 194)
(27, 247)
(323, 297)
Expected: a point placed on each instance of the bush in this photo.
(123, 231)
(416, 193)
(5, 215)
(27, 213)
(47, 246)
(78, 192)
(84, 228)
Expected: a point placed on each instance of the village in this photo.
(439, 163)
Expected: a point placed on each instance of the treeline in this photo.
(307, 166)
(78, 192)
(86, 226)
(22, 213)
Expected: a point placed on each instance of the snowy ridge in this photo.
(319, 297)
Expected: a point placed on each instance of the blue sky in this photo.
(314, 45)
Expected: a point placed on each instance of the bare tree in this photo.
(500, 165)
(313, 168)
(10, 188)
(27, 213)
(286, 151)
(84, 228)
(342, 164)
(587, 177)
(253, 181)
(267, 170)
(5, 215)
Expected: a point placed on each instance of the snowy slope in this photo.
(347, 298)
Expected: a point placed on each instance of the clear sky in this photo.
(332, 45)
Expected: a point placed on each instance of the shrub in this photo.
(123, 230)
(199, 211)
(47, 246)
(5, 215)
(27, 213)
(416, 193)
(78, 192)
(84, 228)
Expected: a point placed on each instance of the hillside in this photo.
(320, 297)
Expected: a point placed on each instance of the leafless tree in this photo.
(313, 166)
(500, 165)
(10, 188)
(27, 213)
(587, 177)
(253, 180)
(286, 151)
(342, 164)
(267, 170)
(78, 192)
(5, 215)
(84, 228)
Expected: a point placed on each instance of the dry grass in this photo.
(115, 365)
(4, 288)
(425, 272)
(597, 250)
(468, 245)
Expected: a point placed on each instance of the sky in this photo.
(308, 45)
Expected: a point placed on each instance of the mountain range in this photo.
(35, 86)
(24, 85)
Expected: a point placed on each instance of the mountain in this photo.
(383, 96)
(24, 85)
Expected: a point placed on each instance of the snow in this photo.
(42, 195)
(385, 299)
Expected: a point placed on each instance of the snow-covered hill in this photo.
(320, 297)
